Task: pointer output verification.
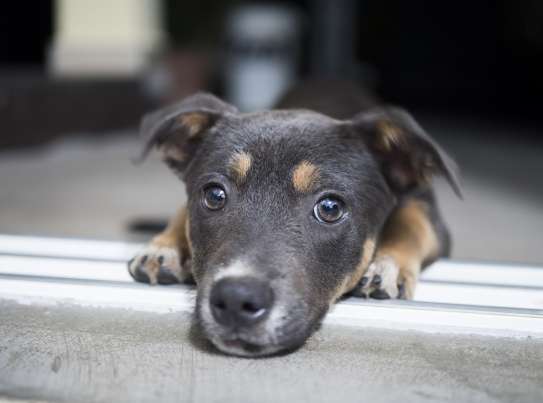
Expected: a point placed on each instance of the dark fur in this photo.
(269, 225)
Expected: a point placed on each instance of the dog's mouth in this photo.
(238, 344)
(241, 345)
(248, 342)
(246, 346)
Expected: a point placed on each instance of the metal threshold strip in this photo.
(394, 315)
(92, 274)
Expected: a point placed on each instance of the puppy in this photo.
(290, 209)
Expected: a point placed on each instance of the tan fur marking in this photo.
(240, 163)
(367, 255)
(340, 291)
(172, 152)
(195, 122)
(187, 236)
(305, 176)
(152, 267)
(174, 235)
(410, 240)
(351, 281)
(390, 135)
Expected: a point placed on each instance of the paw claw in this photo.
(165, 276)
(401, 291)
(379, 294)
(377, 280)
(157, 264)
(380, 281)
(141, 275)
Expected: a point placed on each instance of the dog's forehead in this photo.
(297, 143)
(277, 125)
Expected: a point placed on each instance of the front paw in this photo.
(381, 280)
(157, 264)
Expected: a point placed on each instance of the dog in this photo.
(291, 209)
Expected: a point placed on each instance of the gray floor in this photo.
(77, 354)
(88, 188)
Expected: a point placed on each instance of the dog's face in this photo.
(285, 208)
(282, 207)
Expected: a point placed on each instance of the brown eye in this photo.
(214, 197)
(328, 210)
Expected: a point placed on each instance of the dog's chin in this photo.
(261, 341)
(241, 346)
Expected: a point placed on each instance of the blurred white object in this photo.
(104, 38)
(262, 52)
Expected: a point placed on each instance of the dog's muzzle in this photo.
(245, 312)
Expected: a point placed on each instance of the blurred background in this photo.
(76, 76)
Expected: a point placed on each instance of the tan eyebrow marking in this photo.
(304, 176)
(240, 163)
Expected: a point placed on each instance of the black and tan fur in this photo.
(274, 166)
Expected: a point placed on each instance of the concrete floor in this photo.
(79, 355)
(88, 188)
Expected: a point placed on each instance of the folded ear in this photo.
(177, 130)
(407, 154)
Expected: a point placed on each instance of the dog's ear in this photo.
(407, 154)
(176, 130)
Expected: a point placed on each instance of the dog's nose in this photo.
(240, 301)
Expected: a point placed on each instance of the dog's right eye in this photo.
(214, 197)
(328, 210)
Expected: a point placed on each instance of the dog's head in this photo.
(285, 208)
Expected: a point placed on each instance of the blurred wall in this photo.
(482, 58)
(105, 38)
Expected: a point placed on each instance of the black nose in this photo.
(240, 301)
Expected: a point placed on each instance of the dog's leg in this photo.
(166, 259)
(412, 238)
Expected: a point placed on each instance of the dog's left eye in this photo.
(328, 210)
(214, 197)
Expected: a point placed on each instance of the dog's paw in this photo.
(381, 280)
(157, 264)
